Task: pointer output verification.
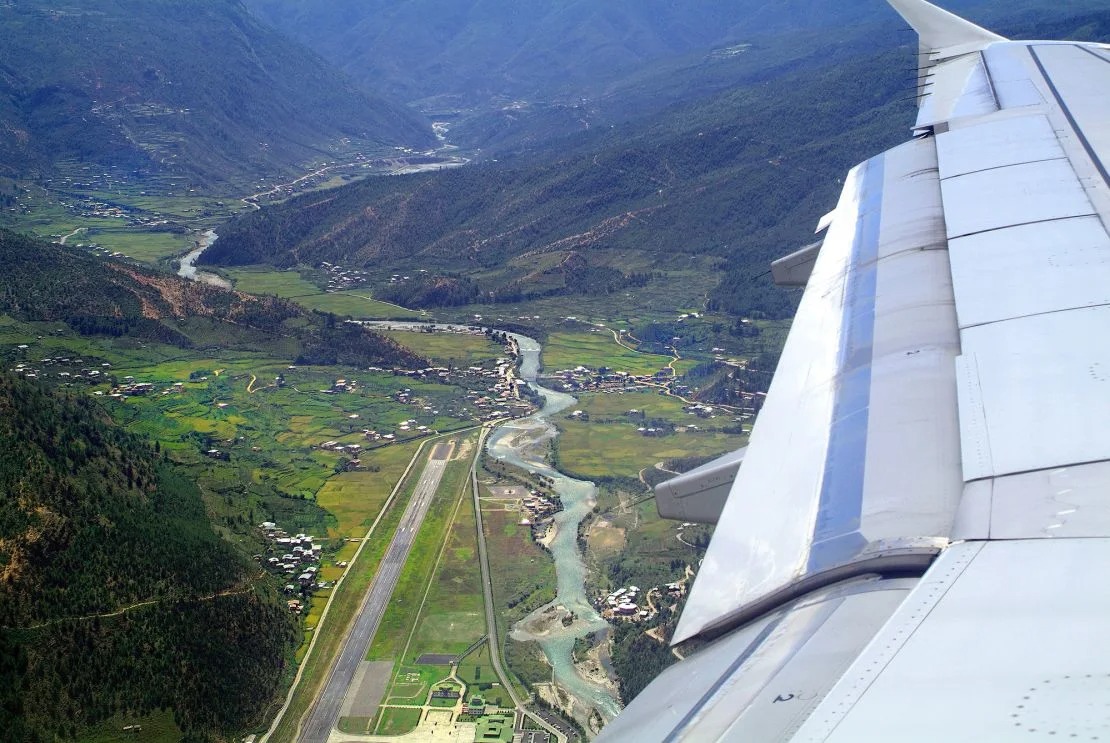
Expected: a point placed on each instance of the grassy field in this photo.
(594, 349)
(356, 725)
(358, 304)
(453, 616)
(356, 498)
(598, 450)
(291, 284)
(148, 247)
(411, 684)
(651, 404)
(455, 349)
(476, 668)
(268, 281)
(397, 721)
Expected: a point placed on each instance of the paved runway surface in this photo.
(325, 712)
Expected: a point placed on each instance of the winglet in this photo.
(943, 34)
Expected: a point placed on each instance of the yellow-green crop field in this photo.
(610, 444)
(594, 349)
(356, 498)
(292, 285)
(456, 349)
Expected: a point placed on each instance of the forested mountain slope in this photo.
(197, 88)
(42, 281)
(742, 173)
(116, 596)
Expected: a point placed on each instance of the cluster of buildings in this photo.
(86, 374)
(340, 278)
(495, 392)
(581, 378)
(131, 388)
(339, 386)
(538, 511)
(90, 375)
(621, 604)
(300, 557)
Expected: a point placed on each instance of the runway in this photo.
(324, 714)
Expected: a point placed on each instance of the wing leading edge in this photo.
(932, 466)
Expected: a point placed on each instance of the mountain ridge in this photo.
(196, 89)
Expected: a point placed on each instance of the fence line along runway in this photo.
(325, 712)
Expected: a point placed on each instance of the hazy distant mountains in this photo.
(510, 74)
(194, 87)
(455, 52)
(739, 167)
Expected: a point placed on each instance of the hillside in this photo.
(119, 599)
(94, 296)
(533, 69)
(116, 596)
(741, 175)
(196, 88)
(462, 51)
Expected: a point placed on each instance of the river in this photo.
(188, 270)
(524, 443)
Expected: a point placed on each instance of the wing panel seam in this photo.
(1095, 159)
(1002, 167)
(1078, 307)
(728, 673)
(895, 645)
(1023, 224)
(1017, 473)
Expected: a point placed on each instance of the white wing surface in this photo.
(917, 544)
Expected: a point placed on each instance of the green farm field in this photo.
(456, 349)
(356, 498)
(595, 349)
(148, 247)
(651, 404)
(292, 285)
(599, 450)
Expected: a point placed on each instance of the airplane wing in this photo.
(916, 545)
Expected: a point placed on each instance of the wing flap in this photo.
(1000, 640)
(829, 478)
(761, 682)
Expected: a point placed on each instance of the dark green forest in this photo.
(116, 596)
